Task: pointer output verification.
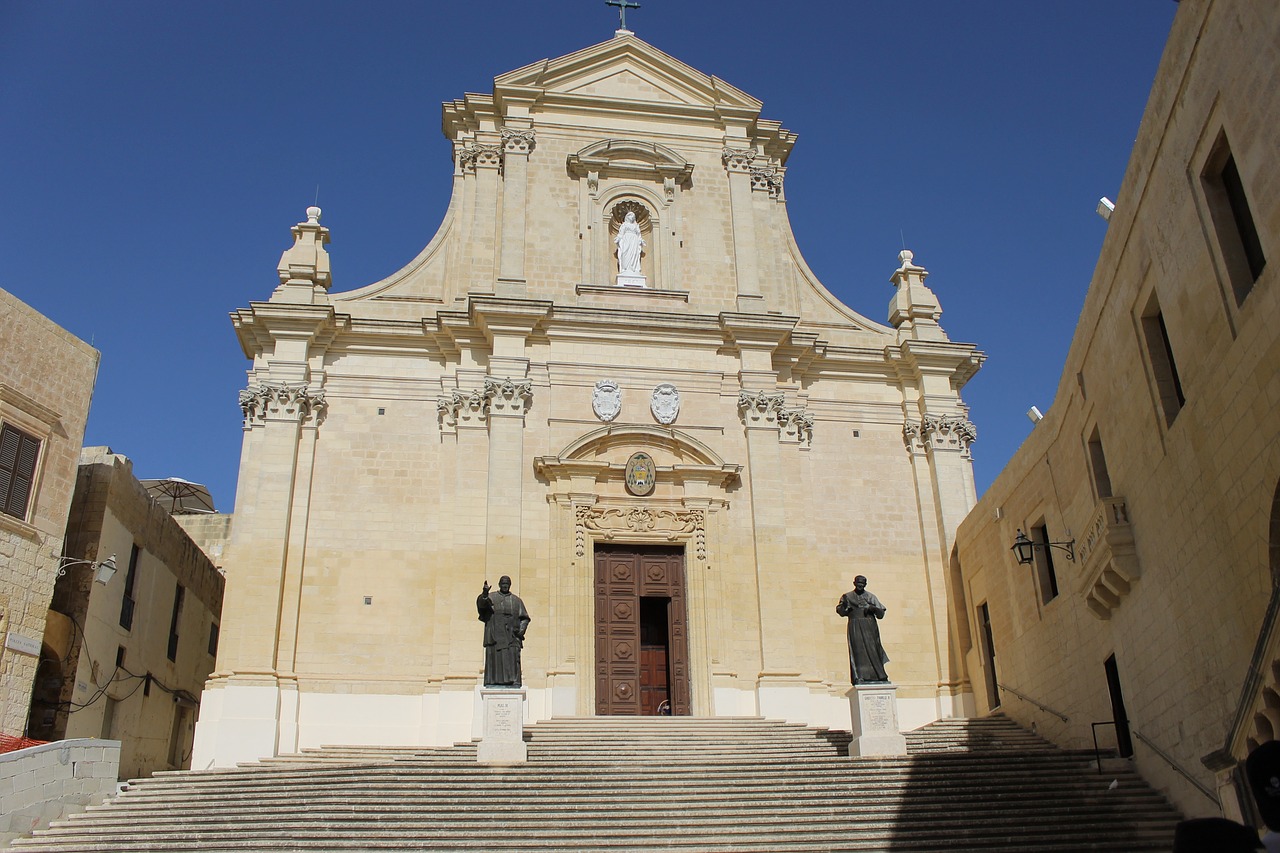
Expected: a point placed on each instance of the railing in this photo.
(1097, 751)
(1196, 783)
(1026, 698)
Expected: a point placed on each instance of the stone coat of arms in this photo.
(665, 404)
(606, 400)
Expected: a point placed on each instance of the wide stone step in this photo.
(647, 784)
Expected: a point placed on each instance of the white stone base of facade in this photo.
(873, 709)
(627, 280)
(249, 719)
(502, 730)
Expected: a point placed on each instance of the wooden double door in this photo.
(642, 643)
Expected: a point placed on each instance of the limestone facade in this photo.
(46, 383)
(139, 647)
(1159, 460)
(475, 414)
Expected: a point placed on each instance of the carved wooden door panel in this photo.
(617, 634)
(624, 576)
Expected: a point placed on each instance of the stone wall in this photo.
(41, 784)
(1169, 505)
(46, 382)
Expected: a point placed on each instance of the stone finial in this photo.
(914, 309)
(304, 267)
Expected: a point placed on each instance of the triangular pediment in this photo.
(627, 69)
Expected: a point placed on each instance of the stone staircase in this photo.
(633, 784)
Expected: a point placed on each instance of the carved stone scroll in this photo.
(653, 524)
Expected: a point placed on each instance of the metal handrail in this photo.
(1196, 783)
(1097, 752)
(1025, 698)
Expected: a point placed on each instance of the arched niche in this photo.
(617, 171)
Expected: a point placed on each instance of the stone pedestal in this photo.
(502, 738)
(631, 280)
(873, 709)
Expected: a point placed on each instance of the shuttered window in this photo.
(18, 454)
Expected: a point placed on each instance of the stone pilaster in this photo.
(507, 401)
(481, 164)
(738, 164)
(516, 145)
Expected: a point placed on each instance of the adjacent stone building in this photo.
(681, 458)
(128, 658)
(1158, 464)
(46, 383)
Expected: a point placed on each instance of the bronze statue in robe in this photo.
(505, 621)
(866, 655)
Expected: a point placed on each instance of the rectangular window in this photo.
(213, 640)
(1163, 365)
(1046, 577)
(18, 455)
(130, 579)
(173, 622)
(1098, 464)
(1233, 220)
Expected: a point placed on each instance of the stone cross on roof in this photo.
(623, 6)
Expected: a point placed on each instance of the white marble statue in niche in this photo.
(606, 400)
(631, 218)
(665, 404)
(630, 245)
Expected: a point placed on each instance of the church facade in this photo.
(611, 376)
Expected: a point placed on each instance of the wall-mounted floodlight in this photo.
(1035, 415)
(1105, 207)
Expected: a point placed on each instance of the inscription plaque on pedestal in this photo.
(502, 738)
(873, 710)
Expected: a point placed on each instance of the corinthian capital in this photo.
(759, 408)
(797, 426)
(474, 155)
(282, 401)
(517, 141)
(948, 432)
(508, 396)
(767, 179)
(738, 159)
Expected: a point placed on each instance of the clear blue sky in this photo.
(153, 156)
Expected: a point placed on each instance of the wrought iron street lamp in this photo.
(102, 571)
(1024, 549)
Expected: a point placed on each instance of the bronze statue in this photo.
(505, 621)
(866, 655)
